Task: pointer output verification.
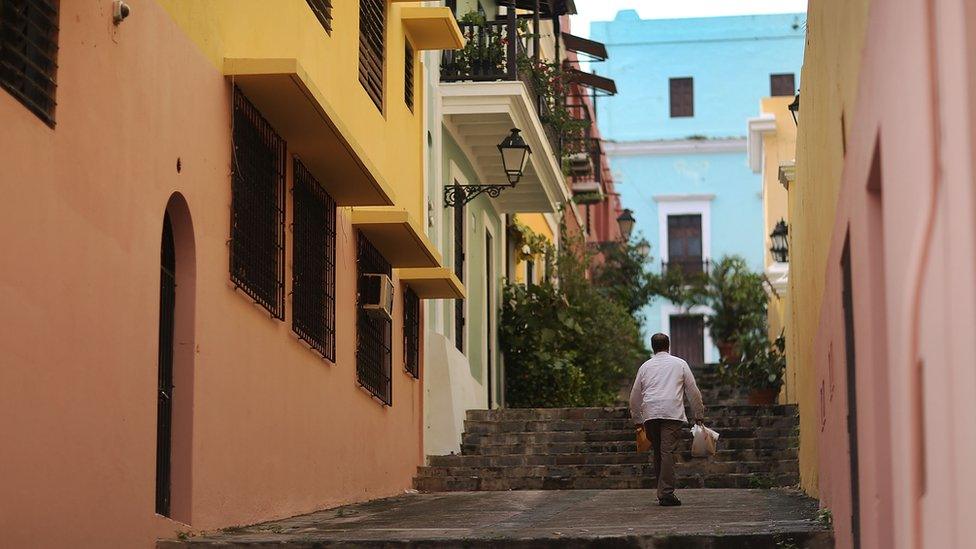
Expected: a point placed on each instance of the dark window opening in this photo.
(374, 334)
(530, 272)
(323, 12)
(682, 97)
(164, 393)
(688, 338)
(782, 85)
(29, 54)
(411, 332)
(313, 275)
(847, 296)
(489, 315)
(257, 232)
(372, 47)
(408, 62)
(685, 243)
(459, 320)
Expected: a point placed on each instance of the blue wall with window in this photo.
(693, 164)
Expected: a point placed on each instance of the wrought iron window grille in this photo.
(411, 332)
(374, 334)
(29, 52)
(313, 260)
(257, 232)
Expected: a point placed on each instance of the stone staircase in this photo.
(594, 448)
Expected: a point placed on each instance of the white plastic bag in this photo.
(704, 442)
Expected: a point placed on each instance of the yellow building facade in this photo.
(835, 39)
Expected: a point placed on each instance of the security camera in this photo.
(120, 10)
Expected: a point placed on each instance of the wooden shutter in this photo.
(323, 12)
(688, 338)
(372, 47)
(782, 84)
(682, 97)
(408, 61)
(685, 242)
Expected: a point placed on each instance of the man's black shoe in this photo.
(669, 501)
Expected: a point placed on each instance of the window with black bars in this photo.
(257, 230)
(782, 84)
(29, 53)
(411, 332)
(313, 261)
(408, 75)
(459, 320)
(682, 92)
(323, 12)
(372, 47)
(374, 334)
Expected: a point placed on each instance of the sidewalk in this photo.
(753, 519)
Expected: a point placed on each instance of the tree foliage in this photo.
(566, 342)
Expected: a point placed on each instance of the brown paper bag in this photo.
(643, 443)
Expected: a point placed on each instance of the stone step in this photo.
(770, 443)
(549, 414)
(601, 458)
(618, 435)
(534, 426)
(469, 484)
(690, 469)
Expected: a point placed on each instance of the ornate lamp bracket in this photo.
(459, 195)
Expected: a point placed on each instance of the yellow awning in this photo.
(432, 28)
(286, 96)
(433, 283)
(397, 236)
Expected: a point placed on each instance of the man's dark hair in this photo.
(660, 342)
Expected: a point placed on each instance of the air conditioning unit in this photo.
(376, 295)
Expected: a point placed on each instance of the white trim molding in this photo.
(787, 173)
(668, 309)
(675, 146)
(683, 205)
(759, 126)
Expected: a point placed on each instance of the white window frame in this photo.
(685, 204)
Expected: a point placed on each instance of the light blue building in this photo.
(677, 139)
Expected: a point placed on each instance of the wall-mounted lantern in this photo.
(515, 156)
(644, 248)
(780, 248)
(626, 222)
(795, 110)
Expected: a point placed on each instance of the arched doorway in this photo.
(176, 353)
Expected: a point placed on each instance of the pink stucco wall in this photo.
(913, 246)
(271, 430)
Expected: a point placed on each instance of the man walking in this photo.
(658, 402)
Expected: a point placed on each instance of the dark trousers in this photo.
(664, 435)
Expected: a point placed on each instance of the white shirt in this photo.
(660, 389)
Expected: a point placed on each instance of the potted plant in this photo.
(760, 369)
(737, 301)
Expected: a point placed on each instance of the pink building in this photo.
(893, 357)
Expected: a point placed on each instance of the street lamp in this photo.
(780, 248)
(795, 110)
(644, 248)
(515, 155)
(626, 221)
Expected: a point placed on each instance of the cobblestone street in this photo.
(752, 519)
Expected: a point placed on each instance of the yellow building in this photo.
(835, 39)
(771, 150)
(364, 148)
